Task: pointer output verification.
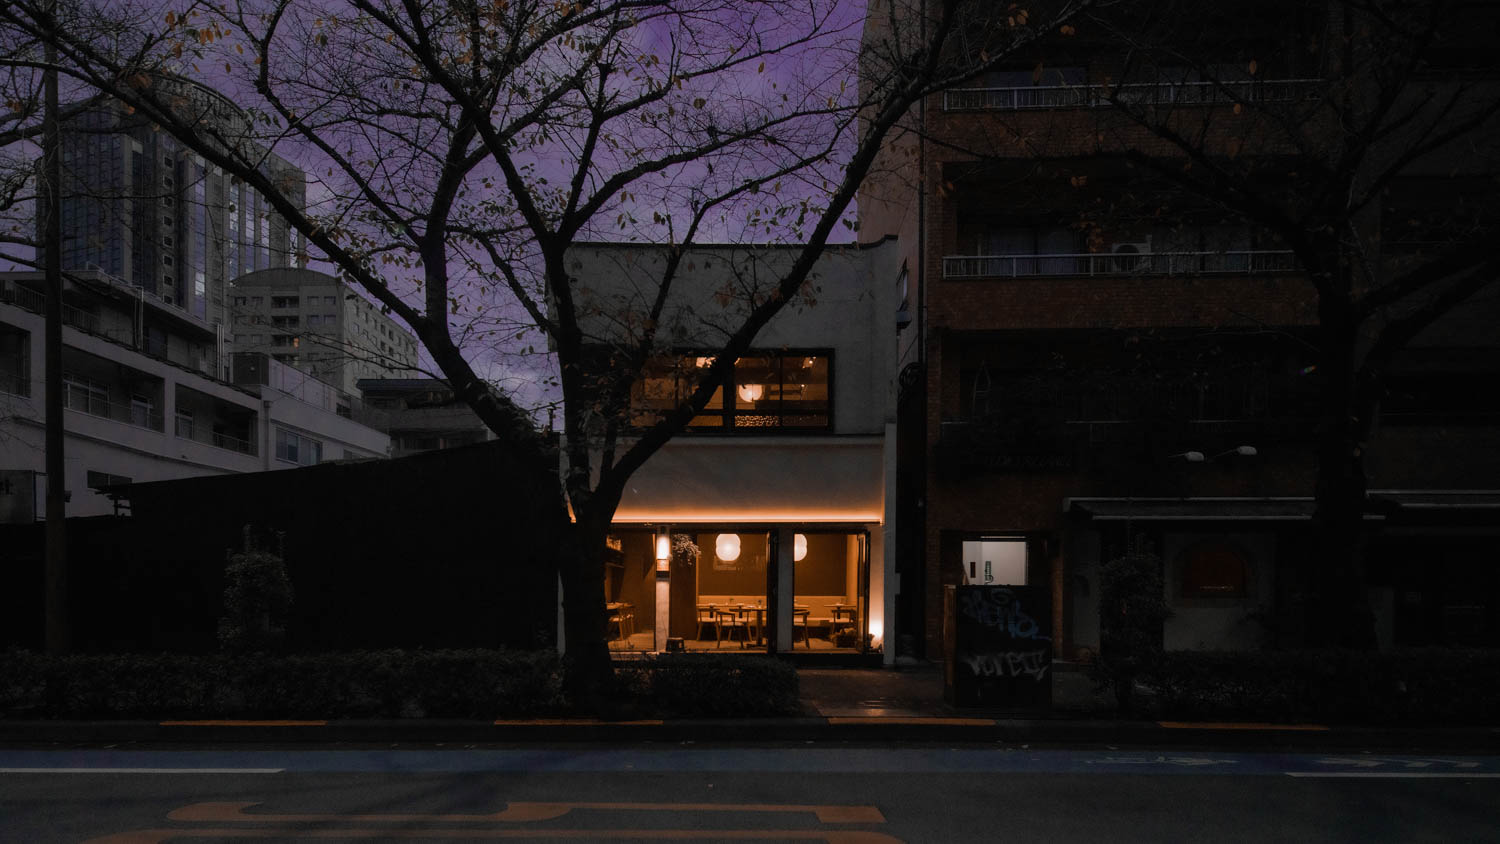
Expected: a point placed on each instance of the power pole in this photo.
(51, 195)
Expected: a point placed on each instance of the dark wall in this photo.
(445, 549)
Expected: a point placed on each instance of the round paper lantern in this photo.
(727, 546)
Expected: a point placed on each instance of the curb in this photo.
(864, 729)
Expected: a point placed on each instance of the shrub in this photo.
(367, 684)
(479, 684)
(712, 685)
(1428, 685)
(1132, 607)
(257, 600)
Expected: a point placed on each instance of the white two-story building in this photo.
(144, 401)
(785, 483)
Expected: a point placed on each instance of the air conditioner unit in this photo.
(1132, 257)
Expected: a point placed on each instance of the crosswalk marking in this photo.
(526, 812)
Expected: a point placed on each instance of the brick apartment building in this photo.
(1094, 355)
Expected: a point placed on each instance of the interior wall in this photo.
(745, 575)
(637, 579)
(824, 571)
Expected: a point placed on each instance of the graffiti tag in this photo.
(999, 607)
(1033, 664)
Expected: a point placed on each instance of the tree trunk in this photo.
(588, 675)
(1340, 615)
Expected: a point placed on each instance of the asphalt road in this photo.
(695, 793)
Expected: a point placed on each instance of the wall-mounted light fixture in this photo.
(663, 551)
(727, 546)
(799, 547)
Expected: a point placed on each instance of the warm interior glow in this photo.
(751, 392)
(739, 517)
(663, 546)
(877, 632)
(799, 547)
(727, 546)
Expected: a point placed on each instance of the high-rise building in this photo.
(139, 207)
(319, 324)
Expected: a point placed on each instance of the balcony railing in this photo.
(130, 414)
(188, 429)
(1143, 93)
(1109, 264)
(88, 323)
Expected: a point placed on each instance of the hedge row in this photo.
(1428, 686)
(374, 684)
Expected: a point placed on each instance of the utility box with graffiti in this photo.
(999, 647)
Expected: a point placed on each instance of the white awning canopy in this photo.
(734, 480)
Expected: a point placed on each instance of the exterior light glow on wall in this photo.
(799, 547)
(727, 546)
(663, 551)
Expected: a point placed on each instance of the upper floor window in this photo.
(782, 390)
(292, 448)
(284, 301)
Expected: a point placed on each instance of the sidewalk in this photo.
(918, 691)
(840, 705)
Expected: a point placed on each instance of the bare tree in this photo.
(458, 149)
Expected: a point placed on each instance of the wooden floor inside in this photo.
(644, 642)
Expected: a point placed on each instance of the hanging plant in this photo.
(684, 551)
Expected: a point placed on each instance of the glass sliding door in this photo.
(830, 585)
(630, 592)
(729, 607)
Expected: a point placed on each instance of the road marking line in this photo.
(237, 723)
(141, 770)
(523, 812)
(1390, 775)
(831, 836)
(573, 722)
(911, 719)
(1237, 725)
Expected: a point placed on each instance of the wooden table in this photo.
(840, 609)
(760, 621)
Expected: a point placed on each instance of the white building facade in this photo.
(137, 409)
(785, 483)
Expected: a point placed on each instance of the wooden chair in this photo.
(708, 615)
(731, 620)
(622, 617)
